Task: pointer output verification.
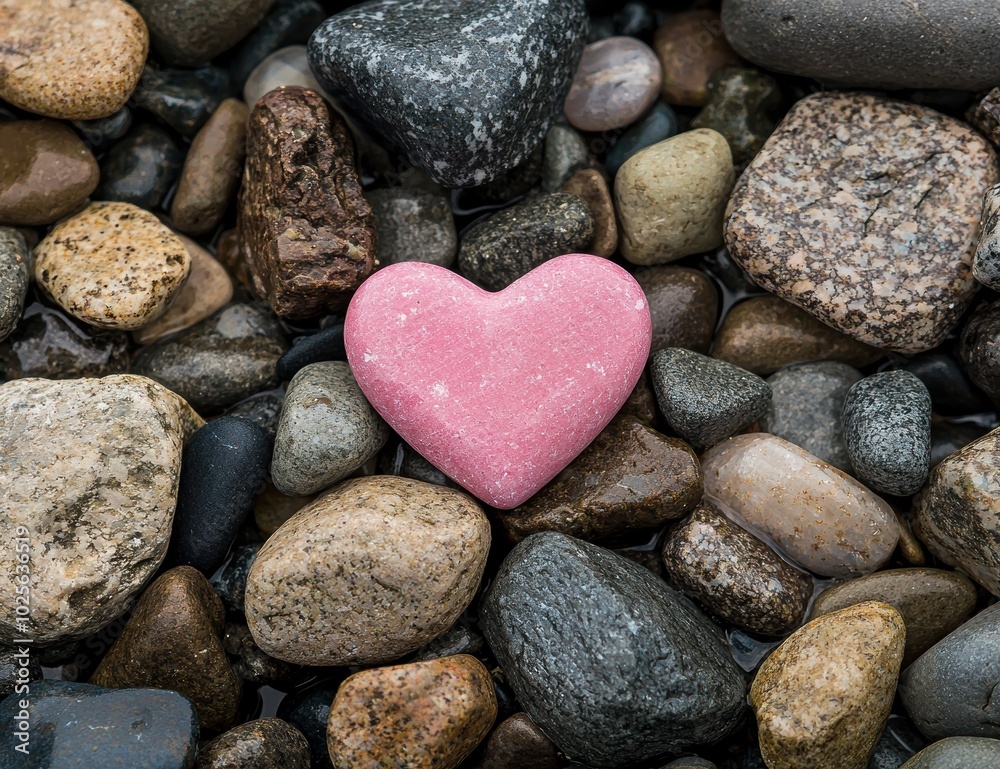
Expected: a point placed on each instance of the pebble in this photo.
(763, 334)
(397, 458)
(953, 752)
(265, 743)
(230, 581)
(807, 403)
(867, 44)
(822, 519)
(253, 666)
(89, 727)
(73, 61)
(664, 678)
(564, 154)
(517, 743)
(287, 66)
(985, 116)
(141, 168)
(183, 99)
(304, 225)
(887, 430)
(327, 430)
(308, 711)
(683, 304)
(931, 602)
(617, 80)
(219, 361)
(508, 186)
(691, 47)
(46, 172)
(590, 186)
(289, 22)
(102, 132)
(325, 345)
(394, 563)
(413, 225)
(223, 470)
(509, 244)
(113, 265)
(207, 289)
(14, 278)
(823, 697)
(211, 171)
(658, 125)
(457, 640)
(172, 642)
(948, 691)
(631, 477)
(733, 574)
(952, 392)
(706, 400)
(671, 197)
(947, 438)
(109, 475)
(456, 126)
(191, 32)
(263, 409)
(978, 349)
(741, 105)
(986, 262)
(852, 229)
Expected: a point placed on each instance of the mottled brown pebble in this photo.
(517, 743)
(691, 46)
(266, 743)
(589, 185)
(683, 305)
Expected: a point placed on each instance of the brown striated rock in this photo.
(683, 305)
(425, 715)
(691, 46)
(266, 743)
(518, 744)
(305, 229)
(588, 185)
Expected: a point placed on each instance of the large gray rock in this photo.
(611, 663)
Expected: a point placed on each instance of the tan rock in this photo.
(671, 197)
(821, 518)
(691, 46)
(588, 185)
(368, 572)
(113, 265)
(822, 698)
(425, 715)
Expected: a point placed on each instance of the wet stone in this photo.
(517, 743)
(253, 666)
(308, 711)
(231, 581)
(183, 99)
(947, 438)
(141, 168)
(263, 409)
(12, 663)
(508, 186)
(266, 743)
(952, 392)
(590, 186)
(458, 640)
(683, 305)
(565, 153)
(289, 22)
(413, 225)
(986, 262)
(325, 345)
(952, 752)
(397, 458)
(657, 125)
(102, 132)
(691, 47)
(13, 279)
(979, 352)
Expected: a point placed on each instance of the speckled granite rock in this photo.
(985, 115)
(953, 752)
(422, 72)
(664, 678)
(511, 243)
(691, 47)
(100, 458)
(517, 743)
(931, 602)
(405, 562)
(304, 226)
(265, 743)
(957, 514)
(413, 226)
(986, 262)
(327, 430)
(74, 61)
(425, 715)
(13, 279)
(979, 351)
(630, 477)
(113, 265)
(564, 154)
(887, 430)
(706, 400)
(819, 517)
(683, 305)
(172, 642)
(822, 698)
(734, 574)
(872, 230)
(590, 186)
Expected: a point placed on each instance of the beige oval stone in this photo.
(820, 517)
(368, 572)
(671, 197)
(823, 696)
(113, 265)
(70, 59)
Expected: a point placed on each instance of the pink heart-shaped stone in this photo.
(499, 391)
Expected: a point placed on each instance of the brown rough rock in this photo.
(305, 228)
(425, 715)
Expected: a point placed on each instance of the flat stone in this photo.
(325, 345)
(706, 400)
(304, 225)
(664, 678)
(327, 430)
(631, 477)
(212, 170)
(564, 154)
(733, 574)
(956, 751)
(670, 197)
(820, 518)
(822, 698)
(517, 743)
(887, 430)
(265, 743)
(141, 168)
(46, 172)
(113, 265)
(99, 458)
(73, 61)
(657, 125)
(691, 46)
(871, 231)
(14, 279)
(590, 186)
(289, 22)
(683, 304)
(422, 74)
(395, 562)
(413, 226)
(978, 351)
(931, 602)
(184, 99)
(172, 642)
(425, 715)
(616, 81)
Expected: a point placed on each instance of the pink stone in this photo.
(499, 391)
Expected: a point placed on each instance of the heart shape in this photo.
(466, 88)
(499, 391)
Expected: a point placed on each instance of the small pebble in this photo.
(230, 581)
(183, 99)
(308, 711)
(413, 226)
(263, 409)
(141, 168)
(286, 66)
(102, 132)
(947, 438)
(325, 345)
(683, 304)
(459, 640)
(289, 22)
(979, 351)
(255, 667)
(985, 115)
(691, 47)
(517, 743)
(658, 125)
(14, 277)
(265, 743)
(565, 154)
(590, 186)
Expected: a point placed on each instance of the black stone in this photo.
(141, 168)
(231, 582)
(183, 99)
(103, 131)
(952, 392)
(327, 344)
(399, 458)
(290, 22)
(17, 668)
(263, 409)
(947, 438)
(308, 712)
(255, 666)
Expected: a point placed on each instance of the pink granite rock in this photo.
(499, 391)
